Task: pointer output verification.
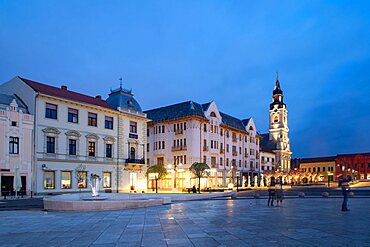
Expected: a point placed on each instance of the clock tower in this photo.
(278, 131)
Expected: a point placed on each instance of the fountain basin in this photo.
(85, 202)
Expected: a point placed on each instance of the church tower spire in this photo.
(278, 131)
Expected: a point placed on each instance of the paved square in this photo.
(301, 222)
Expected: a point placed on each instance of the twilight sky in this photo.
(227, 51)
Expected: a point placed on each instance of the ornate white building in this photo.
(188, 132)
(16, 126)
(276, 142)
(77, 135)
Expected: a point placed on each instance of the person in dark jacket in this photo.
(194, 189)
(343, 183)
(272, 194)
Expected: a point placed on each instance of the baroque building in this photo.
(277, 142)
(76, 136)
(189, 132)
(16, 126)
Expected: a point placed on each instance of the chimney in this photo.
(98, 96)
(63, 87)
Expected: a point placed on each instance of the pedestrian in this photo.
(279, 195)
(271, 190)
(194, 189)
(343, 183)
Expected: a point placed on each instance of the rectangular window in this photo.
(51, 111)
(82, 180)
(133, 127)
(108, 150)
(318, 169)
(147, 147)
(92, 149)
(323, 169)
(163, 145)
(72, 147)
(50, 145)
(92, 119)
(13, 145)
(160, 161)
(72, 115)
(107, 179)
(49, 180)
(108, 122)
(14, 123)
(66, 180)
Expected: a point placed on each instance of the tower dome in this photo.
(123, 98)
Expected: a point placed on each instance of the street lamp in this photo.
(156, 175)
(237, 181)
(175, 169)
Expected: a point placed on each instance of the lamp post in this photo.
(237, 181)
(175, 168)
(156, 183)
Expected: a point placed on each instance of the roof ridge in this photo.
(176, 104)
(65, 93)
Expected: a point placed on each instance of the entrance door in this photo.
(7, 185)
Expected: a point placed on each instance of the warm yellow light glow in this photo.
(141, 184)
(230, 186)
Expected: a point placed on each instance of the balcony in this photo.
(205, 148)
(222, 151)
(235, 153)
(179, 132)
(179, 148)
(235, 139)
(134, 161)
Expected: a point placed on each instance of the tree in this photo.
(161, 172)
(160, 169)
(199, 170)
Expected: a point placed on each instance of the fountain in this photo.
(94, 185)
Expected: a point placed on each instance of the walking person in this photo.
(343, 183)
(271, 190)
(279, 195)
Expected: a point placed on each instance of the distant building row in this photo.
(59, 138)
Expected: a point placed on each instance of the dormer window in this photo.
(213, 114)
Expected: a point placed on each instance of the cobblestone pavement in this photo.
(243, 222)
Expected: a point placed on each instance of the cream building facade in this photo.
(16, 126)
(189, 132)
(78, 135)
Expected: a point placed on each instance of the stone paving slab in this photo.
(311, 222)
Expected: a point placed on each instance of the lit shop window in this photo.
(49, 180)
(107, 180)
(66, 180)
(82, 180)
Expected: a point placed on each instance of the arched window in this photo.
(250, 128)
(132, 153)
(276, 119)
(213, 114)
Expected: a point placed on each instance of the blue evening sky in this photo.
(227, 51)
